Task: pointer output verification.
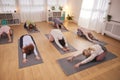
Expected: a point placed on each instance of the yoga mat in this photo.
(64, 29)
(31, 58)
(68, 67)
(4, 40)
(101, 43)
(33, 30)
(72, 49)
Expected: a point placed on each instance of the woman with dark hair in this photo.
(82, 32)
(29, 25)
(28, 46)
(95, 52)
(7, 30)
(57, 36)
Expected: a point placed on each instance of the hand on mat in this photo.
(70, 58)
(37, 57)
(25, 60)
(67, 48)
(94, 42)
(77, 65)
(64, 49)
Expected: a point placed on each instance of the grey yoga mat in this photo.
(68, 67)
(101, 42)
(4, 39)
(72, 49)
(31, 58)
(64, 29)
(33, 31)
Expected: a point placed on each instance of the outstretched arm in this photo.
(73, 56)
(56, 40)
(66, 44)
(24, 58)
(86, 60)
(86, 34)
(36, 53)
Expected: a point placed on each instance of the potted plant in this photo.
(60, 8)
(53, 7)
(109, 17)
(69, 18)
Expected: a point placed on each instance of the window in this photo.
(31, 5)
(8, 6)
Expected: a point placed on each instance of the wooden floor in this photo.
(50, 70)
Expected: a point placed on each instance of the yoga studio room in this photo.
(59, 39)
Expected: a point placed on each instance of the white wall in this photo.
(115, 10)
(74, 7)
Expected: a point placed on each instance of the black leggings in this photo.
(62, 42)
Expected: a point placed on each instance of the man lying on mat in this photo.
(28, 46)
(82, 32)
(6, 30)
(95, 52)
(58, 23)
(29, 25)
(57, 36)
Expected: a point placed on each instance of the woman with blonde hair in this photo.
(95, 52)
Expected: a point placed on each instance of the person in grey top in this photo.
(58, 23)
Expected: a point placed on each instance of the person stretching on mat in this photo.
(57, 36)
(96, 52)
(82, 32)
(28, 46)
(58, 23)
(6, 30)
(29, 25)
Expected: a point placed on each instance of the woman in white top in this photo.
(96, 52)
(6, 29)
(57, 36)
(28, 46)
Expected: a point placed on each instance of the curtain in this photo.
(33, 10)
(93, 13)
(7, 6)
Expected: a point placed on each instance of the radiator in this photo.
(112, 29)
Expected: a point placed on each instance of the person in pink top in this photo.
(83, 32)
(7, 30)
